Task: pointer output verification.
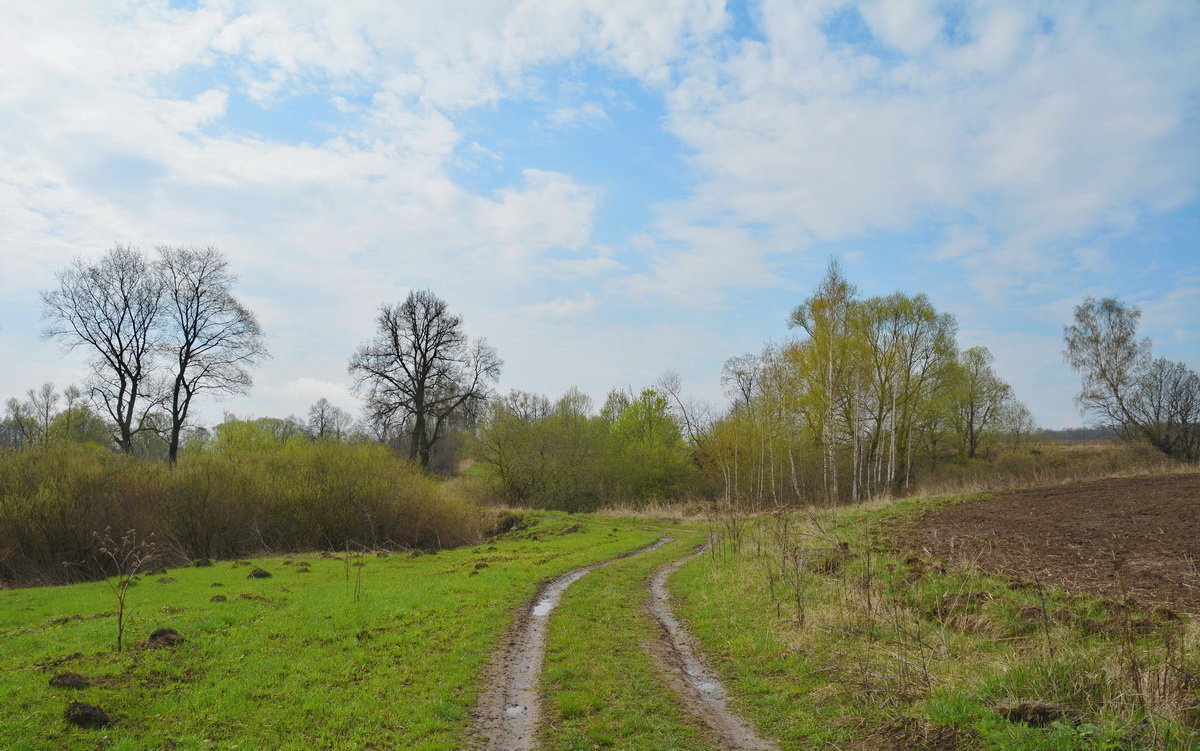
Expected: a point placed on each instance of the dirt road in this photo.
(689, 675)
(506, 717)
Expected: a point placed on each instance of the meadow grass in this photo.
(829, 637)
(601, 688)
(388, 654)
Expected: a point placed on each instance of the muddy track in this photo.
(506, 717)
(698, 686)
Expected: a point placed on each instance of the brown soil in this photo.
(1134, 538)
(86, 715)
(69, 680)
(507, 713)
(686, 671)
(163, 638)
(259, 573)
(1034, 713)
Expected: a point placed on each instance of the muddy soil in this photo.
(506, 717)
(1126, 538)
(693, 680)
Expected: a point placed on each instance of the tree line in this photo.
(872, 394)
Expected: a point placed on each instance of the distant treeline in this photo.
(1078, 434)
(872, 398)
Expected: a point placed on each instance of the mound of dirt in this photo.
(86, 715)
(259, 573)
(1036, 714)
(248, 596)
(69, 680)
(163, 638)
(1127, 538)
(217, 598)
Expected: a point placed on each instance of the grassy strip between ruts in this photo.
(828, 639)
(602, 689)
(291, 661)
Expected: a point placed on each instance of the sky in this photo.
(607, 189)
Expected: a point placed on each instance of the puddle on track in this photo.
(506, 718)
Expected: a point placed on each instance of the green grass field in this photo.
(891, 650)
(841, 644)
(306, 666)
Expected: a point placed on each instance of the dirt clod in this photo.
(259, 573)
(69, 680)
(480, 565)
(1033, 713)
(165, 580)
(163, 638)
(86, 715)
(217, 598)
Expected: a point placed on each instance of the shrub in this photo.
(219, 502)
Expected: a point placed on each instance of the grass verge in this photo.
(828, 639)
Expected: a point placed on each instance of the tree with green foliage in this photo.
(980, 401)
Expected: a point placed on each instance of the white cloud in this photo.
(563, 307)
(1040, 126)
(1032, 130)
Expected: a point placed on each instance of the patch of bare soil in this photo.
(69, 680)
(163, 638)
(1128, 538)
(688, 674)
(506, 717)
(86, 715)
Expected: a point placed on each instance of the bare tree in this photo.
(125, 558)
(326, 420)
(20, 422)
(421, 365)
(212, 340)
(111, 308)
(695, 417)
(1139, 397)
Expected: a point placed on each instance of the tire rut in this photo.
(507, 714)
(682, 664)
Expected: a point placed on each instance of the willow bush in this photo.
(219, 501)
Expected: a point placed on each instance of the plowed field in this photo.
(1136, 537)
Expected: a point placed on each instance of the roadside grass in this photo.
(388, 654)
(831, 637)
(601, 688)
